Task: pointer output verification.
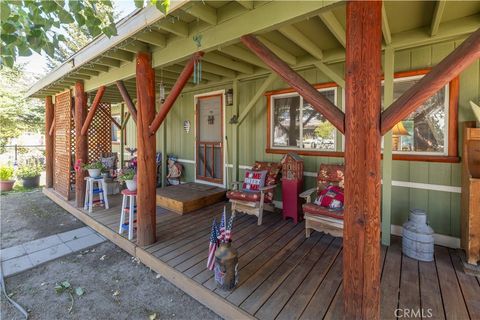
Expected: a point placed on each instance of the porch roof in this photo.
(303, 34)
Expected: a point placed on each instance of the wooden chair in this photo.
(252, 202)
(112, 168)
(317, 217)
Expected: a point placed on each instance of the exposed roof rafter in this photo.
(243, 54)
(334, 26)
(175, 26)
(281, 53)
(204, 12)
(387, 35)
(135, 46)
(215, 58)
(437, 16)
(121, 55)
(302, 41)
(153, 37)
(247, 4)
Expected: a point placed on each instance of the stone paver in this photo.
(43, 243)
(16, 265)
(75, 234)
(84, 242)
(48, 254)
(12, 252)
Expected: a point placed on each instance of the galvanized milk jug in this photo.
(226, 266)
(417, 235)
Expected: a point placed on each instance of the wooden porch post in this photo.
(146, 148)
(361, 243)
(122, 134)
(81, 141)
(49, 116)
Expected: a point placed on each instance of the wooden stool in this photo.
(90, 191)
(131, 209)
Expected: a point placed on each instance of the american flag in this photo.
(228, 232)
(213, 246)
(223, 222)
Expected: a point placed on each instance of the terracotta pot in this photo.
(7, 185)
(131, 185)
(31, 182)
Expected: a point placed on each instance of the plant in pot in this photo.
(6, 182)
(94, 168)
(130, 178)
(30, 173)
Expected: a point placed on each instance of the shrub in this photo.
(29, 170)
(93, 165)
(127, 174)
(6, 173)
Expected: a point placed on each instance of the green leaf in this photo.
(65, 17)
(59, 289)
(49, 6)
(80, 19)
(8, 61)
(163, 5)
(79, 291)
(139, 3)
(24, 50)
(8, 38)
(4, 11)
(8, 27)
(110, 31)
(65, 284)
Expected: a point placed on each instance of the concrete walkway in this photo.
(31, 254)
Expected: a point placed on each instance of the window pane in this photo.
(424, 130)
(318, 132)
(286, 124)
(115, 131)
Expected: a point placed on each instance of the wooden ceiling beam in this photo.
(152, 37)
(121, 55)
(437, 16)
(387, 35)
(204, 12)
(174, 26)
(96, 67)
(205, 75)
(216, 69)
(109, 62)
(127, 99)
(78, 76)
(302, 41)
(330, 73)
(281, 53)
(220, 60)
(243, 54)
(87, 72)
(135, 46)
(334, 26)
(247, 4)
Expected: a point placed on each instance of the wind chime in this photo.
(161, 90)
(197, 65)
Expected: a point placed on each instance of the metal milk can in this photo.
(417, 237)
(226, 266)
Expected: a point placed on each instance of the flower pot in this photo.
(94, 173)
(131, 185)
(31, 182)
(6, 185)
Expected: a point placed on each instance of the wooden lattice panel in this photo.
(100, 132)
(62, 159)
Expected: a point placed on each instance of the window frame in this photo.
(119, 130)
(270, 95)
(452, 156)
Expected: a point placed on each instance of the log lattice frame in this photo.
(100, 133)
(62, 144)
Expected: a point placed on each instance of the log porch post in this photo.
(49, 116)
(146, 149)
(361, 243)
(81, 141)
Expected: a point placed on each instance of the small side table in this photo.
(128, 206)
(90, 191)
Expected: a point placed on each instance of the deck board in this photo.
(283, 275)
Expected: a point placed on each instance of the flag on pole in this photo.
(213, 246)
(228, 232)
(223, 226)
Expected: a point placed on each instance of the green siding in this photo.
(443, 207)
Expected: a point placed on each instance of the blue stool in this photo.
(91, 191)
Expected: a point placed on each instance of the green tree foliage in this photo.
(324, 130)
(41, 25)
(17, 114)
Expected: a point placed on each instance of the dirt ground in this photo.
(27, 216)
(116, 287)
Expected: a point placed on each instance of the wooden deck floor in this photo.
(283, 275)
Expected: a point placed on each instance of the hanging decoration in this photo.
(186, 126)
(161, 89)
(197, 66)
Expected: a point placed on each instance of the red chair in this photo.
(252, 202)
(320, 218)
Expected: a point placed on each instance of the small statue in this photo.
(174, 171)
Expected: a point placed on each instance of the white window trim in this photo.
(293, 94)
(119, 131)
(447, 121)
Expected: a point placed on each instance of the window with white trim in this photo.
(115, 129)
(295, 124)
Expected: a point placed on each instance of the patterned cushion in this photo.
(252, 196)
(254, 180)
(330, 174)
(331, 197)
(108, 162)
(273, 176)
(312, 208)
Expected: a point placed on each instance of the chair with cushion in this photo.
(325, 212)
(255, 193)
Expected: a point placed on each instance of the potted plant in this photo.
(130, 178)
(30, 173)
(94, 168)
(6, 182)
